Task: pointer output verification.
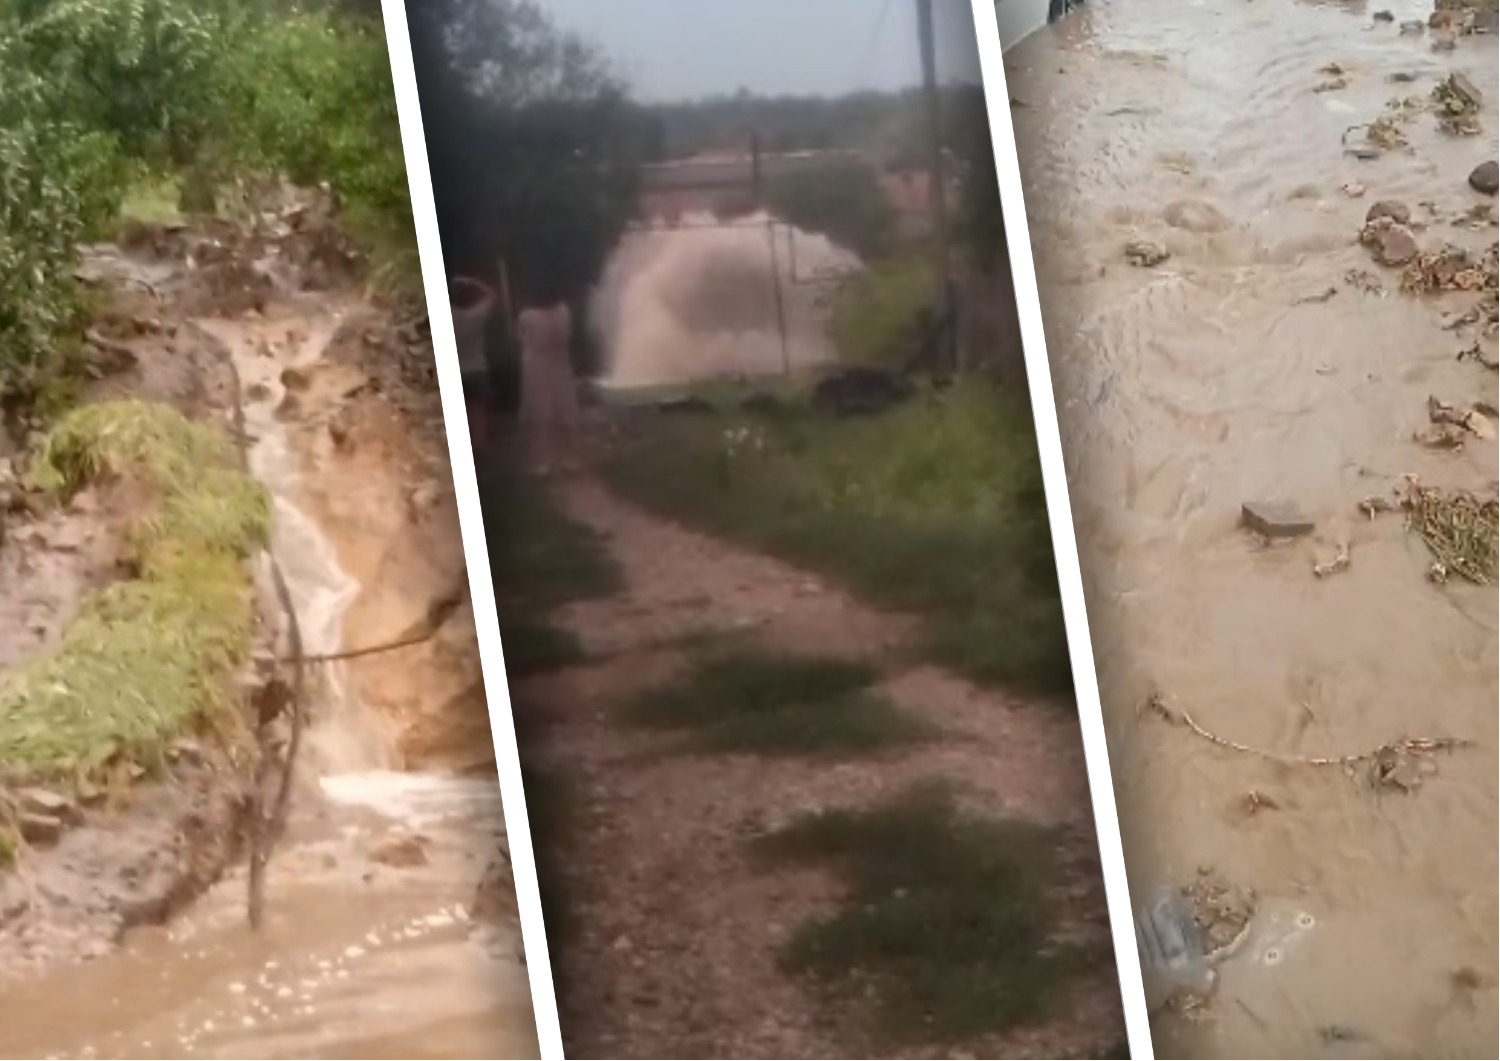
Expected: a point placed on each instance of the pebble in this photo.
(1485, 177)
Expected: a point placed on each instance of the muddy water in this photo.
(1214, 379)
(363, 954)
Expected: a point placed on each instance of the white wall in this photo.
(1018, 19)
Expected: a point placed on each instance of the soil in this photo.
(172, 301)
(674, 953)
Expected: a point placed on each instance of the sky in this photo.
(684, 49)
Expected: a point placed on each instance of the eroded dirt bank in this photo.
(377, 940)
(1198, 177)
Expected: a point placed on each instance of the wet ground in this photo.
(377, 942)
(1245, 366)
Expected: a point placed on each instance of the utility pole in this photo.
(937, 187)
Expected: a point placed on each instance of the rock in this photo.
(1353, 189)
(47, 803)
(257, 392)
(1390, 243)
(1464, 90)
(1145, 254)
(1413, 27)
(295, 379)
(1275, 519)
(1398, 212)
(40, 830)
(400, 852)
(1485, 177)
(1384, 16)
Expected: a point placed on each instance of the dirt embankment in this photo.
(122, 821)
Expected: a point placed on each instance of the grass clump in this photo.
(936, 508)
(875, 315)
(540, 559)
(751, 701)
(946, 933)
(148, 660)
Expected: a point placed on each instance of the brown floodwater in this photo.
(1227, 374)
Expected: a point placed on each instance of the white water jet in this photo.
(699, 300)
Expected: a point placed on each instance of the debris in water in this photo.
(1340, 562)
(1473, 419)
(1476, 352)
(1222, 912)
(1157, 705)
(1450, 269)
(1458, 102)
(1145, 253)
(1173, 960)
(1322, 296)
(1461, 531)
(1353, 189)
(1331, 84)
(1365, 281)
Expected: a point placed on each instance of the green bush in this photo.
(100, 95)
(875, 314)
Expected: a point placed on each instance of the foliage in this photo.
(875, 314)
(101, 95)
(150, 659)
(533, 145)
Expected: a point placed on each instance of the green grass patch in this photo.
(945, 934)
(540, 559)
(874, 315)
(936, 509)
(535, 647)
(152, 202)
(752, 701)
(150, 659)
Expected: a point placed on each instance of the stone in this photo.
(1398, 212)
(1465, 91)
(1414, 26)
(1144, 253)
(1275, 519)
(1390, 243)
(1485, 177)
(1384, 16)
(46, 803)
(40, 830)
(400, 852)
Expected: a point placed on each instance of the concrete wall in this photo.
(1019, 19)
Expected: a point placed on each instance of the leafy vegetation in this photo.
(150, 659)
(102, 97)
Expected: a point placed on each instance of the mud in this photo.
(1228, 373)
(369, 948)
